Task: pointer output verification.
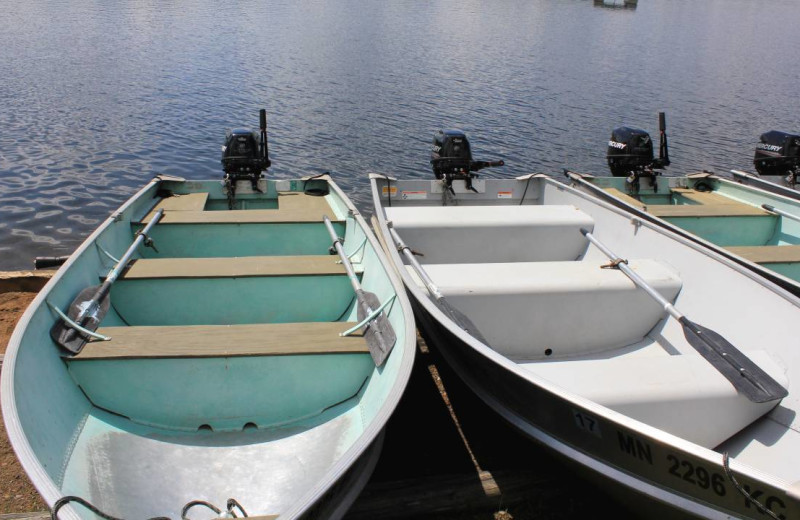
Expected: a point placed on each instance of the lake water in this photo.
(96, 97)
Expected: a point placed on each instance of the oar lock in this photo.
(614, 264)
(148, 241)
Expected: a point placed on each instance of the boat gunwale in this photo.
(19, 442)
(659, 436)
(786, 283)
(45, 485)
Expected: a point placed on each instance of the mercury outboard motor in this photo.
(778, 153)
(630, 153)
(451, 158)
(244, 156)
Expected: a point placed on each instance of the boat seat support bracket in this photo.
(369, 318)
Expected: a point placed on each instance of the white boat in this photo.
(583, 327)
(234, 358)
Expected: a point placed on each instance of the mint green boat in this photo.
(752, 226)
(234, 355)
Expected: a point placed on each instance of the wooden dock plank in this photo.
(195, 341)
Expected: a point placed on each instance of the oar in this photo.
(91, 305)
(747, 377)
(379, 333)
(454, 314)
(773, 209)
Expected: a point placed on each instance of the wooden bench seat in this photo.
(292, 208)
(706, 210)
(204, 341)
(624, 197)
(187, 202)
(768, 254)
(236, 267)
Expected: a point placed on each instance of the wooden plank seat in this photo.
(224, 376)
(236, 267)
(706, 204)
(624, 197)
(768, 254)
(292, 208)
(204, 341)
(675, 393)
(707, 210)
(185, 202)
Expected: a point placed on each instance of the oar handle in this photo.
(401, 246)
(633, 275)
(337, 245)
(773, 209)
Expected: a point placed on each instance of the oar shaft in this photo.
(123, 262)
(415, 264)
(337, 244)
(634, 276)
(773, 209)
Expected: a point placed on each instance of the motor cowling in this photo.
(629, 150)
(242, 153)
(777, 153)
(450, 154)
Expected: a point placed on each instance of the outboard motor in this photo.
(451, 158)
(778, 153)
(630, 154)
(244, 156)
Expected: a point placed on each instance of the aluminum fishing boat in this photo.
(756, 228)
(243, 339)
(651, 362)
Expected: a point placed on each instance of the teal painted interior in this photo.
(227, 301)
(226, 240)
(282, 395)
(224, 393)
(751, 230)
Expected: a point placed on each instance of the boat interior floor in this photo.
(585, 328)
(146, 472)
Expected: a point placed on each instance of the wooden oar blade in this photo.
(460, 319)
(747, 377)
(71, 339)
(379, 334)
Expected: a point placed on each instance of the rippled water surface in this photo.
(96, 97)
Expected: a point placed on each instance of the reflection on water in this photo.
(97, 97)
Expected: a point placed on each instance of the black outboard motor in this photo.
(451, 158)
(778, 153)
(630, 154)
(244, 156)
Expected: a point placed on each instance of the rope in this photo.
(728, 473)
(614, 264)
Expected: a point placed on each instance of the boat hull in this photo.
(611, 447)
(199, 397)
(786, 274)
